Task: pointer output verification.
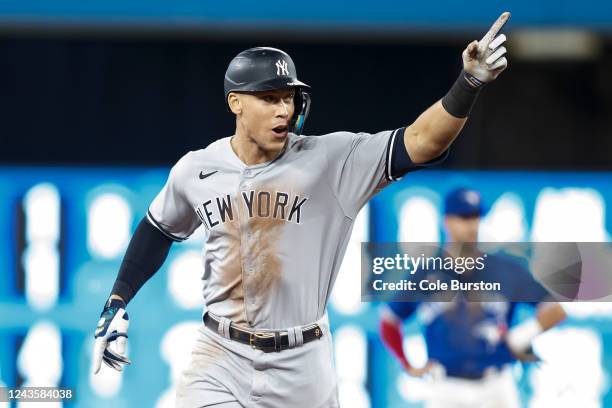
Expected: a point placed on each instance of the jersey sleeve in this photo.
(361, 164)
(170, 211)
(401, 163)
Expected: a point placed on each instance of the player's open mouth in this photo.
(280, 131)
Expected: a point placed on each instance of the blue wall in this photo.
(315, 14)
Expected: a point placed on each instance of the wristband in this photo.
(461, 97)
(519, 337)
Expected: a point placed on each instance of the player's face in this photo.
(265, 117)
(462, 229)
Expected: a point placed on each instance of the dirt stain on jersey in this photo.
(262, 235)
(251, 265)
(266, 233)
(230, 275)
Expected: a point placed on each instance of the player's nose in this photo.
(282, 109)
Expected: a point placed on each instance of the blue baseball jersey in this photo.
(467, 337)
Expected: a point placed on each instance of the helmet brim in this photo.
(269, 85)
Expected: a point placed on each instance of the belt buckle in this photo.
(258, 335)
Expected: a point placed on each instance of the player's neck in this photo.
(249, 152)
(462, 249)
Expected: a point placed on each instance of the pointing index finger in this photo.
(492, 33)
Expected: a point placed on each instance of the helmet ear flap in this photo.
(302, 109)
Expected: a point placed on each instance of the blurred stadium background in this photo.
(100, 98)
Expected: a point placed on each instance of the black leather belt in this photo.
(268, 341)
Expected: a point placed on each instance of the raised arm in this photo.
(436, 128)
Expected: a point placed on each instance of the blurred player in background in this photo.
(470, 344)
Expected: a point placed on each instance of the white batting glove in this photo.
(111, 331)
(484, 60)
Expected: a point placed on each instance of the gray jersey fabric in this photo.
(277, 231)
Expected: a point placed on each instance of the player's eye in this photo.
(268, 98)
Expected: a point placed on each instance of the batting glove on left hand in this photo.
(526, 356)
(112, 330)
(484, 60)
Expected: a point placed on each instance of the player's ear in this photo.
(233, 100)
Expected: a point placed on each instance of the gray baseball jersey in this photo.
(276, 234)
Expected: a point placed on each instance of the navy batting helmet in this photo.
(265, 69)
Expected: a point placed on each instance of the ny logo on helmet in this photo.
(281, 67)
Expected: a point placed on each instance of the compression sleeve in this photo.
(147, 251)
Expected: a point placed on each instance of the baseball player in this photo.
(278, 209)
(469, 344)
